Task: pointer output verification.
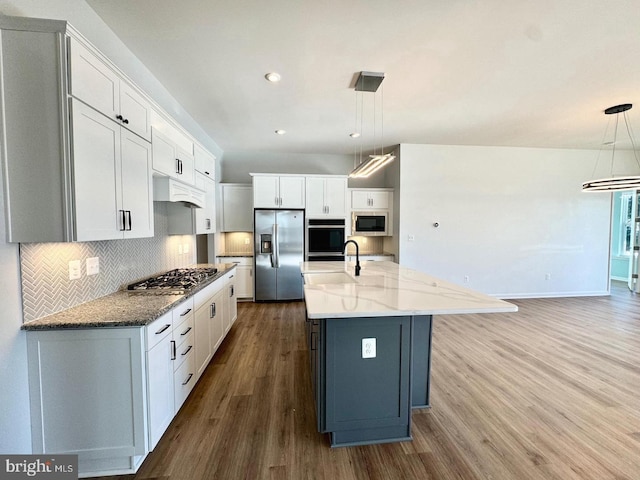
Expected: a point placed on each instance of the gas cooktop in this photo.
(177, 281)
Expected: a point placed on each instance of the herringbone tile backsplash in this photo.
(46, 287)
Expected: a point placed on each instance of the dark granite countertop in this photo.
(121, 309)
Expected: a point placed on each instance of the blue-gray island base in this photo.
(368, 400)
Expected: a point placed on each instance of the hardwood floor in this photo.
(550, 392)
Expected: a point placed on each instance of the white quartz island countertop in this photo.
(385, 289)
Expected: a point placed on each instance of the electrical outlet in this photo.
(411, 238)
(185, 248)
(466, 279)
(93, 266)
(368, 348)
(75, 269)
(247, 241)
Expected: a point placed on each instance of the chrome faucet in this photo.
(357, 254)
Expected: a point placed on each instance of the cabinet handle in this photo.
(163, 329)
(208, 224)
(126, 121)
(212, 310)
(173, 349)
(251, 272)
(129, 219)
(124, 221)
(206, 173)
(188, 379)
(122, 119)
(178, 166)
(231, 291)
(314, 345)
(187, 350)
(185, 332)
(185, 312)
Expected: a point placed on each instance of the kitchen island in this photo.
(369, 338)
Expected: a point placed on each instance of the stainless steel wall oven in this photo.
(324, 239)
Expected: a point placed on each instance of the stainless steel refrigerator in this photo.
(279, 249)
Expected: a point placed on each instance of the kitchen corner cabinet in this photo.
(278, 191)
(326, 197)
(371, 199)
(243, 275)
(74, 156)
(237, 207)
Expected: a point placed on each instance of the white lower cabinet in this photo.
(88, 397)
(109, 394)
(243, 280)
(209, 328)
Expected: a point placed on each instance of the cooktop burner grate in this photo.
(179, 280)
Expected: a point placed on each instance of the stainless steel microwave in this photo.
(370, 224)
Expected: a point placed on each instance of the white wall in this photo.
(508, 217)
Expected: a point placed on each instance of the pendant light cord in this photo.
(633, 143)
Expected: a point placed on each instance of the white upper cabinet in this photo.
(326, 196)
(113, 195)
(278, 191)
(205, 218)
(371, 199)
(205, 162)
(98, 85)
(237, 207)
(73, 171)
(171, 159)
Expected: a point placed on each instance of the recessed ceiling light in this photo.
(273, 77)
(354, 135)
(281, 132)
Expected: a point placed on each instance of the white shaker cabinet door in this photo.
(137, 186)
(292, 192)
(266, 191)
(92, 81)
(136, 111)
(335, 195)
(160, 389)
(96, 173)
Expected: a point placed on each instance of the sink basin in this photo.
(328, 278)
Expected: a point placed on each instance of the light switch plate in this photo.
(93, 266)
(185, 248)
(368, 348)
(75, 269)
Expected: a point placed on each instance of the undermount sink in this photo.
(328, 278)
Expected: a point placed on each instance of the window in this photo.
(626, 223)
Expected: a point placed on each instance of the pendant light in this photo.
(613, 183)
(369, 82)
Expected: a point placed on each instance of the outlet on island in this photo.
(368, 348)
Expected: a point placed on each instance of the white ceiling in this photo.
(465, 72)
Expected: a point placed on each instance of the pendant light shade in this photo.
(613, 183)
(369, 82)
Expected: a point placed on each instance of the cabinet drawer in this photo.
(248, 261)
(158, 330)
(184, 380)
(183, 350)
(182, 331)
(183, 312)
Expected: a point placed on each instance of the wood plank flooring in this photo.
(550, 392)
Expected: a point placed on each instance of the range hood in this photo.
(166, 189)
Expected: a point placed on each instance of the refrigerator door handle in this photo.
(276, 246)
